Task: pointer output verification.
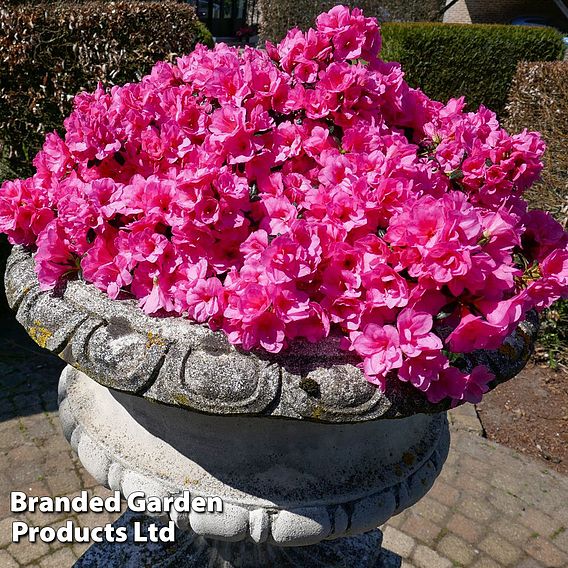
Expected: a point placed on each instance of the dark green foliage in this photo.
(477, 61)
(553, 338)
(278, 16)
(51, 51)
(538, 100)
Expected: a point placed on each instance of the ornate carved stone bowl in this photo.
(300, 447)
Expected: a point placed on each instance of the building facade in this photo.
(504, 11)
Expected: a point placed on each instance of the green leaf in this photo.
(253, 193)
(455, 174)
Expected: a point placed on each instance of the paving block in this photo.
(6, 561)
(26, 552)
(464, 418)
(476, 507)
(62, 558)
(6, 531)
(425, 557)
(444, 493)
(539, 522)
(486, 562)
(421, 529)
(501, 550)
(398, 542)
(65, 482)
(465, 528)
(457, 550)
(511, 530)
(431, 509)
(546, 553)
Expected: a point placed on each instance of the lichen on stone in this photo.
(39, 333)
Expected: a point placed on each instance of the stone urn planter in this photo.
(307, 456)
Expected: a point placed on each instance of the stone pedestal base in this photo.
(191, 551)
(294, 493)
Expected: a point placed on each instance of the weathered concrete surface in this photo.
(283, 482)
(190, 551)
(176, 362)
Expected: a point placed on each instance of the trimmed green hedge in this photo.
(51, 51)
(278, 16)
(478, 61)
(538, 100)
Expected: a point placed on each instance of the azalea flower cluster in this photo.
(296, 192)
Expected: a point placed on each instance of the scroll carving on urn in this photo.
(186, 364)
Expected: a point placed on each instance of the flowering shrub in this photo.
(296, 192)
(51, 49)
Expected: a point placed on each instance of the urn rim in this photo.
(173, 361)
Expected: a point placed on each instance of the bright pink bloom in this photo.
(477, 384)
(385, 287)
(474, 332)
(104, 266)
(54, 261)
(205, 300)
(445, 263)
(451, 383)
(543, 234)
(380, 347)
(279, 214)
(314, 327)
(24, 212)
(423, 370)
(414, 330)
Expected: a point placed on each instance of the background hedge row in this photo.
(278, 16)
(478, 61)
(51, 51)
(445, 60)
(539, 101)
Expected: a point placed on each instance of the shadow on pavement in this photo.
(28, 374)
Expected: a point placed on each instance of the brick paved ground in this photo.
(491, 507)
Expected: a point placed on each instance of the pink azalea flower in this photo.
(555, 266)
(53, 260)
(385, 287)
(205, 300)
(477, 384)
(348, 44)
(380, 348)
(423, 370)
(24, 212)
(248, 302)
(543, 234)
(445, 263)
(291, 304)
(279, 214)
(314, 327)
(451, 383)
(106, 267)
(266, 330)
(415, 336)
(474, 332)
